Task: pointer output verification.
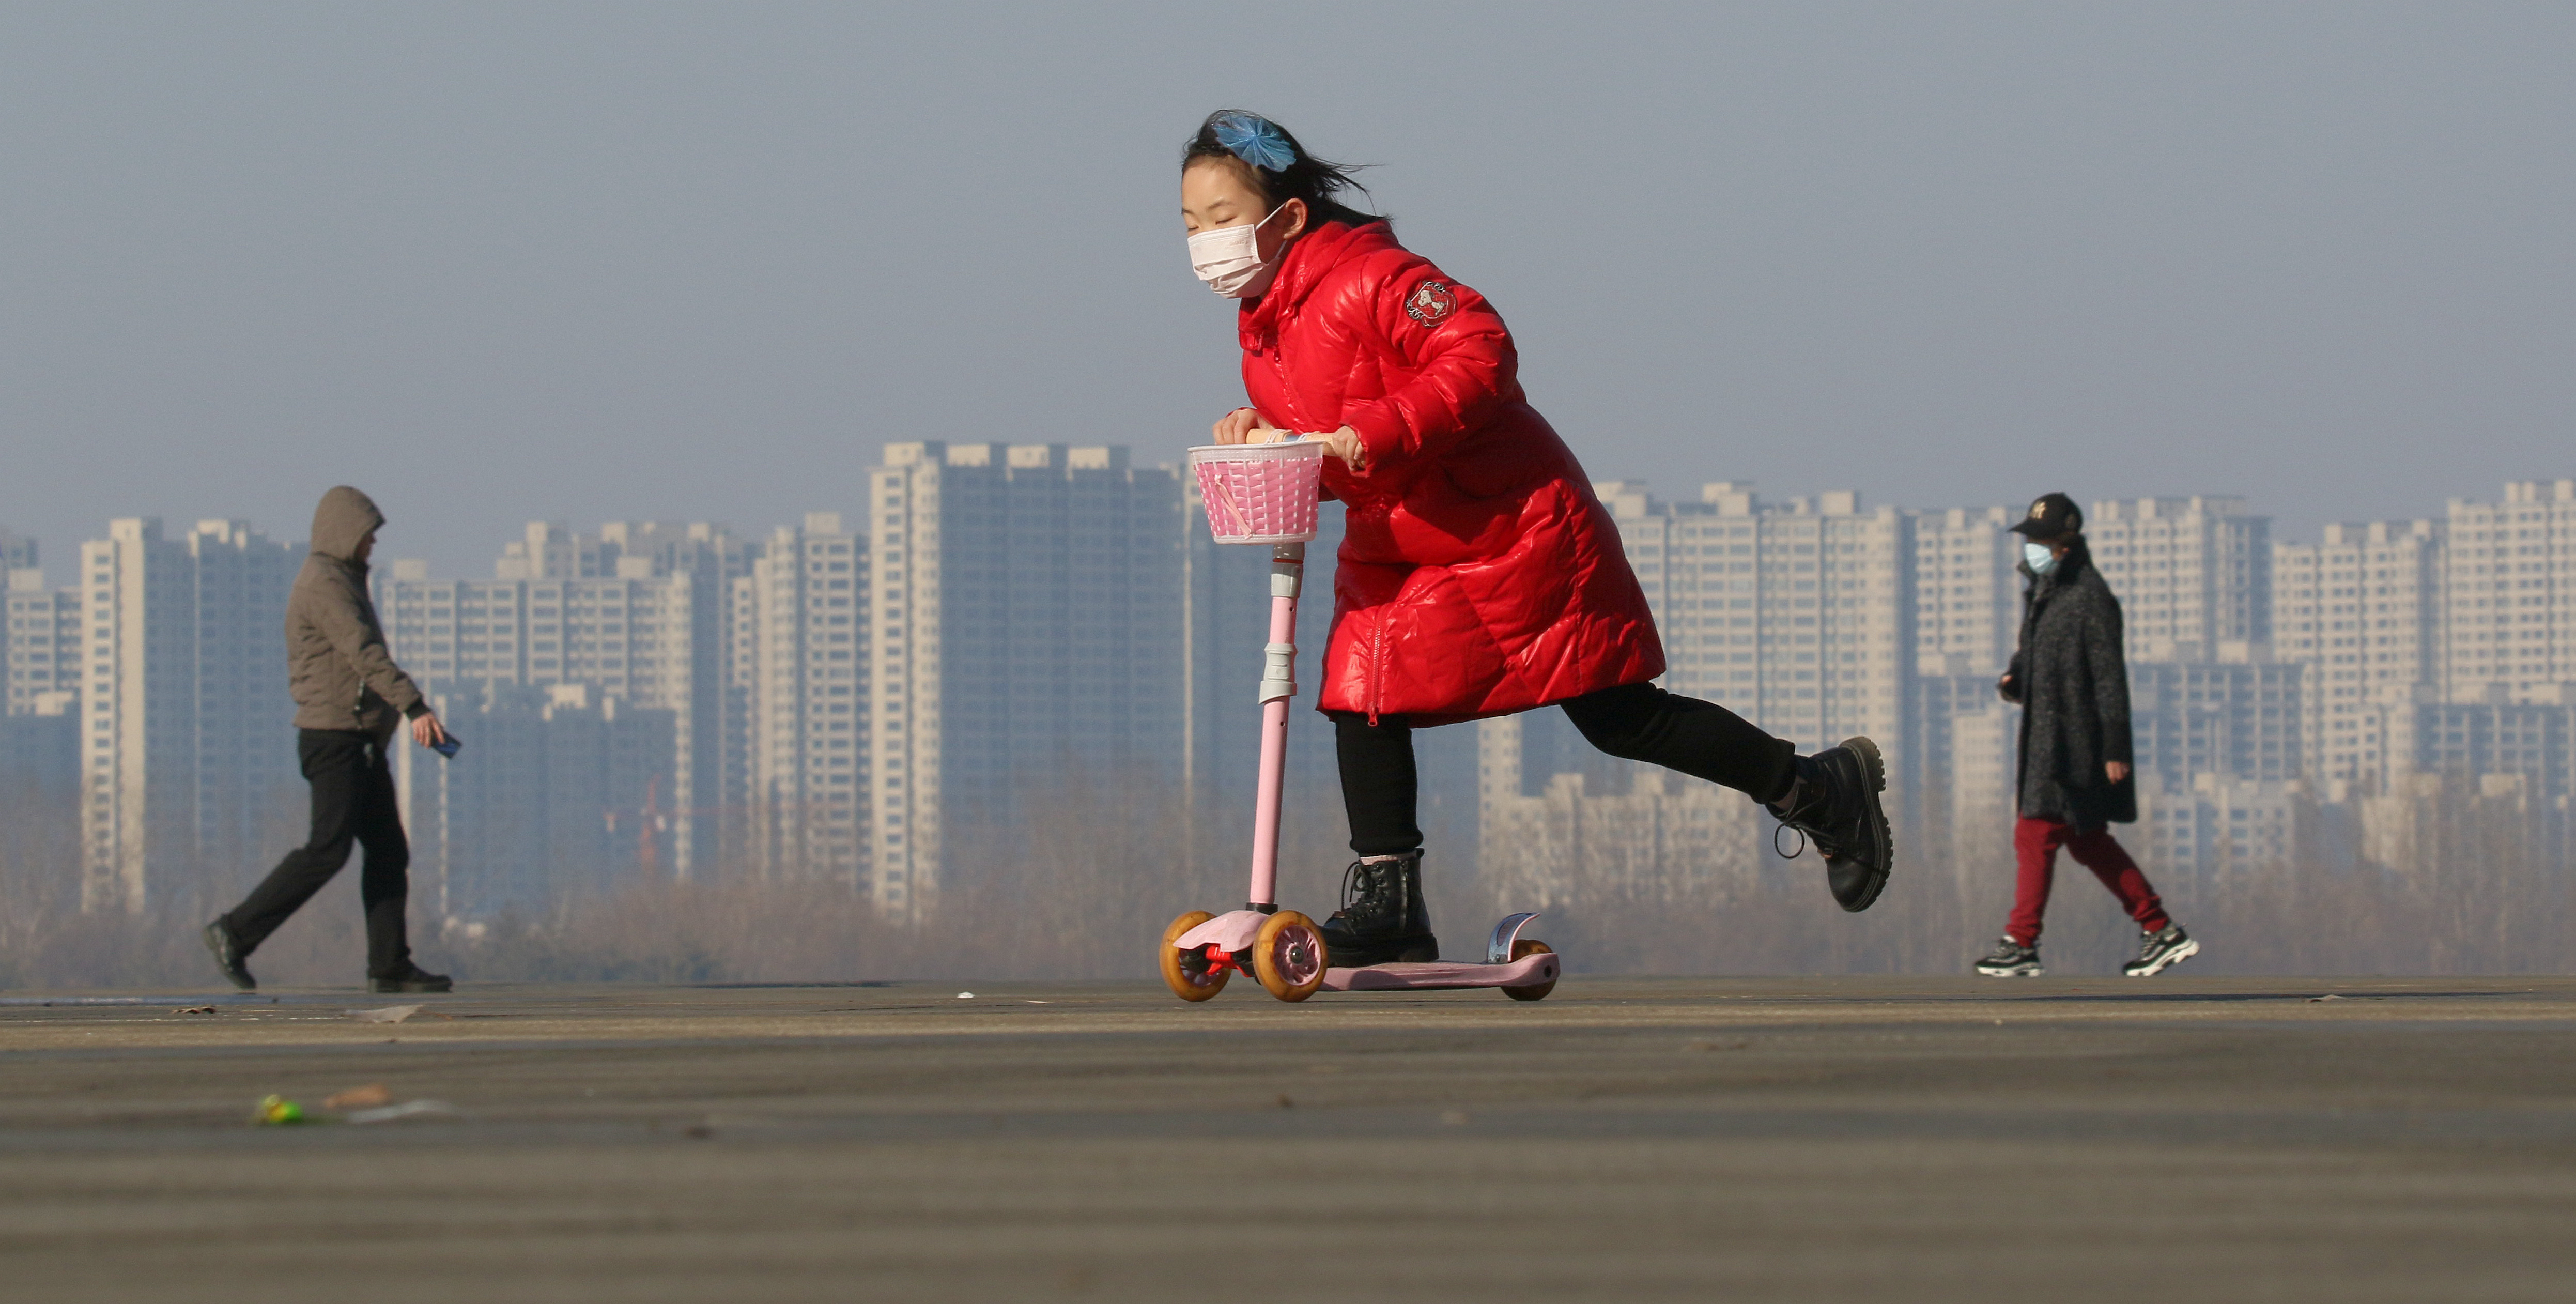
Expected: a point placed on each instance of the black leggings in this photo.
(1637, 722)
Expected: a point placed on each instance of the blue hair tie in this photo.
(1256, 140)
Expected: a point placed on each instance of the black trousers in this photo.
(1637, 722)
(353, 802)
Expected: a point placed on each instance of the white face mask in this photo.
(1229, 259)
(2041, 558)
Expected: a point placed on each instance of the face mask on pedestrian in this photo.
(1229, 259)
(2040, 558)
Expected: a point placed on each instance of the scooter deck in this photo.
(1442, 975)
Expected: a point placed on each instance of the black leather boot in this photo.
(1383, 918)
(1835, 803)
(1417, 911)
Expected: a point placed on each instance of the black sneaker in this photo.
(1835, 804)
(228, 957)
(2011, 959)
(1383, 919)
(2161, 951)
(413, 978)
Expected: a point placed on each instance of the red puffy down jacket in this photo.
(1479, 576)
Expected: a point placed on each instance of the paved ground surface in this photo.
(1877, 1139)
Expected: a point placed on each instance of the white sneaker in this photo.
(2161, 951)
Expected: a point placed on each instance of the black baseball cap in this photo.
(2052, 515)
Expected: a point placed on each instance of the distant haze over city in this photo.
(586, 263)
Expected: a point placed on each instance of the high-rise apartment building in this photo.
(2473, 741)
(42, 634)
(2490, 780)
(187, 732)
(2219, 824)
(39, 790)
(2511, 598)
(2218, 748)
(1796, 615)
(2361, 609)
(1957, 787)
(1958, 766)
(630, 636)
(716, 729)
(454, 631)
(803, 658)
(1967, 596)
(563, 791)
(2237, 719)
(546, 551)
(637, 614)
(39, 712)
(2192, 574)
(1024, 625)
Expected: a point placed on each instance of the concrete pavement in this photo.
(1743, 1139)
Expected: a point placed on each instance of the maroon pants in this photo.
(2035, 844)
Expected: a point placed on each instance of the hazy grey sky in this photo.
(578, 262)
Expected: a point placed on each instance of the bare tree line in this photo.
(1080, 885)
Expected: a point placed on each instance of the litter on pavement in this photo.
(407, 1109)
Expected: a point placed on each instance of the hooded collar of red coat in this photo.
(1301, 269)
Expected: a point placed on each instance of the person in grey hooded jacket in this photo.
(350, 698)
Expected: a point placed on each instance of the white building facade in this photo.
(2511, 592)
(802, 626)
(40, 725)
(42, 644)
(187, 731)
(2191, 573)
(1967, 596)
(2362, 610)
(637, 614)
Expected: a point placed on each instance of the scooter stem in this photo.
(1278, 684)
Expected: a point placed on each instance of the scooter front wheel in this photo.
(1288, 956)
(1190, 981)
(1522, 950)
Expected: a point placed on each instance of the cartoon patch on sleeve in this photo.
(1431, 303)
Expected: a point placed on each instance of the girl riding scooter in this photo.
(1478, 574)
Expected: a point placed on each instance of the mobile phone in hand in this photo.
(448, 747)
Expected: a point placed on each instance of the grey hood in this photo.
(337, 668)
(343, 521)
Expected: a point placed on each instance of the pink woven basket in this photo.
(1260, 493)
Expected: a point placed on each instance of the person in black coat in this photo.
(2072, 680)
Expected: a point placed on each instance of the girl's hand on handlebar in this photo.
(1344, 444)
(1236, 427)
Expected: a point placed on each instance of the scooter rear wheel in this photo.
(1186, 983)
(1522, 950)
(1288, 956)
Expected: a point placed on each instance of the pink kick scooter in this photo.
(1267, 494)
